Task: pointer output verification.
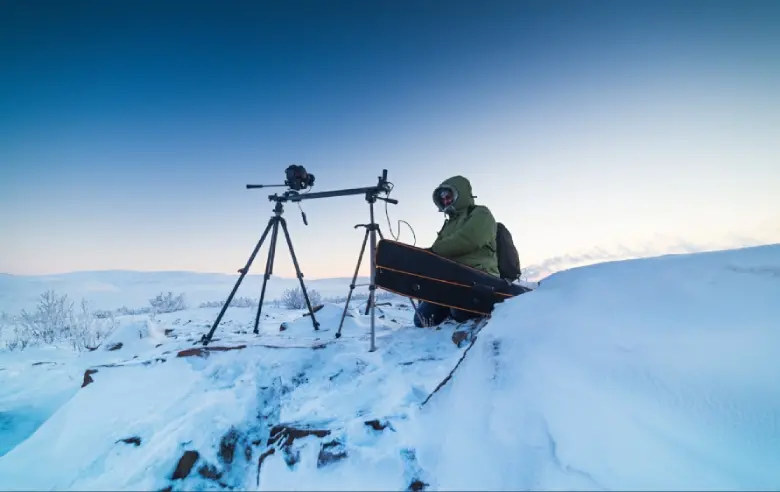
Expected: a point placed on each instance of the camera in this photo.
(298, 178)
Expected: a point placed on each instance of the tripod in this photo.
(273, 227)
(372, 229)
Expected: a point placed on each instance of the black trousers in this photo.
(432, 314)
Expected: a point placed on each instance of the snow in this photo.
(651, 374)
(648, 374)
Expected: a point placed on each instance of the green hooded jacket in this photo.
(468, 238)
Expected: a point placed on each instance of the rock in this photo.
(135, 440)
(377, 425)
(227, 446)
(331, 452)
(204, 351)
(459, 337)
(185, 464)
(268, 452)
(417, 485)
(88, 377)
(284, 437)
(290, 434)
(209, 471)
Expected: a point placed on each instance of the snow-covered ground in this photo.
(639, 375)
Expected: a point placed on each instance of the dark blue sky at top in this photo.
(103, 101)
(290, 70)
(300, 70)
(295, 69)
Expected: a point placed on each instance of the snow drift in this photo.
(646, 374)
(650, 374)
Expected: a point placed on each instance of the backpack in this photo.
(508, 259)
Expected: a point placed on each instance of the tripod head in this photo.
(287, 196)
(383, 186)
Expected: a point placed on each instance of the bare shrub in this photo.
(19, 340)
(238, 302)
(17, 337)
(294, 299)
(167, 303)
(52, 318)
(362, 296)
(126, 311)
(54, 322)
(90, 328)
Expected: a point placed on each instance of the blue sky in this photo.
(591, 129)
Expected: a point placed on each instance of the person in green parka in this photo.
(467, 237)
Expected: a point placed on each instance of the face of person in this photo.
(446, 197)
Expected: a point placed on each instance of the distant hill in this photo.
(114, 289)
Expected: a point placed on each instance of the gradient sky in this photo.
(591, 129)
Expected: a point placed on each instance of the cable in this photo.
(303, 214)
(389, 224)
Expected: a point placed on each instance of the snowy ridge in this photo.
(643, 374)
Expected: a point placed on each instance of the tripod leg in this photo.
(298, 272)
(379, 231)
(372, 285)
(207, 338)
(352, 285)
(373, 292)
(269, 268)
(368, 303)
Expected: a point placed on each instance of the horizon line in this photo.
(574, 261)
